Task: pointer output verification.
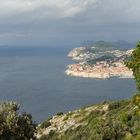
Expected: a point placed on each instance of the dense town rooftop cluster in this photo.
(94, 62)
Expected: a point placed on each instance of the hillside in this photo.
(105, 121)
(99, 50)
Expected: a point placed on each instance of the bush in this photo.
(51, 136)
(114, 105)
(59, 113)
(45, 124)
(126, 118)
(134, 64)
(110, 129)
(14, 126)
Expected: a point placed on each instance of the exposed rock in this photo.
(71, 120)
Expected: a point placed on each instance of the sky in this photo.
(68, 22)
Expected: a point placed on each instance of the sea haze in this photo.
(34, 77)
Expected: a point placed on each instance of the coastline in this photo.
(98, 72)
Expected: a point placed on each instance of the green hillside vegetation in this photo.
(134, 64)
(117, 122)
(107, 58)
(103, 47)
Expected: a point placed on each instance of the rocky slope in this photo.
(105, 121)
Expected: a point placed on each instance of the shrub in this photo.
(14, 126)
(59, 113)
(51, 136)
(45, 124)
(114, 105)
(134, 64)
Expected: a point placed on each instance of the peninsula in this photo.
(100, 60)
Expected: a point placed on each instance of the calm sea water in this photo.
(34, 77)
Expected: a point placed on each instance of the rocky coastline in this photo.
(98, 72)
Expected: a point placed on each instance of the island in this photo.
(100, 60)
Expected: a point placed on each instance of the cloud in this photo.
(99, 11)
(69, 20)
(47, 8)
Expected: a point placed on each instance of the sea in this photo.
(34, 77)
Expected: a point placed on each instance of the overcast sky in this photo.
(64, 22)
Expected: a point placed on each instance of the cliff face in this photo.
(103, 62)
(108, 120)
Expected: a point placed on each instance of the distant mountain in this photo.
(88, 43)
(124, 44)
(105, 44)
(120, 44)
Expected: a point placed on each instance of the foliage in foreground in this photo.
(134, 64)
(14, 126)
